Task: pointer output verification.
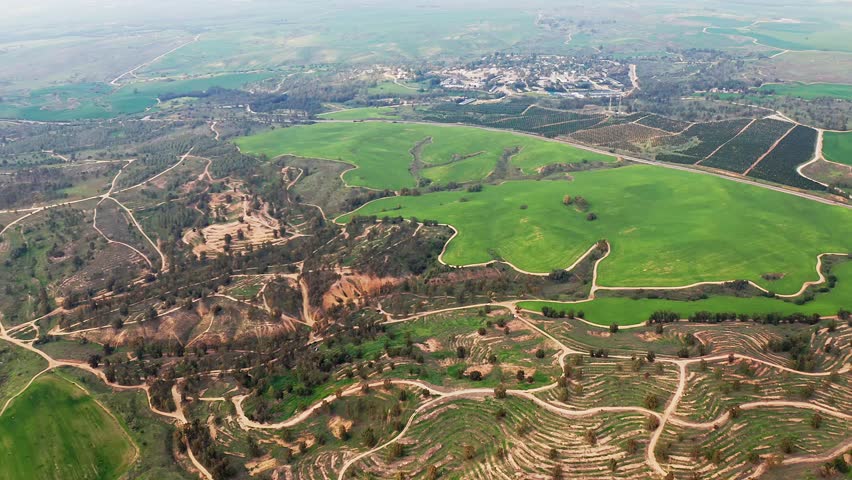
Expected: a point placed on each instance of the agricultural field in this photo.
(363, 113)
(702, 139)
(751, 145)
(633, 311)
(56, 430)
(545, 234)
(837, 147)
(779, 166)
(385, 154)
(808, 91)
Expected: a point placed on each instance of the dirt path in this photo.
(37, 210)
(109, 240)
(817, 156)
(213, 129)
(634, 80)
(306, 302)
(61, 157)
(725, 417)
(650, 452)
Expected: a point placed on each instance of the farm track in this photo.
(817, 157)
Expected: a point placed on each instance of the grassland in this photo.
(666, 227)
(86, 101)
(837, 147)
(382, 151)
(56, 430)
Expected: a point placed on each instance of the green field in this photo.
(837, 147)
(808, 91)
(795, 36)
(57, 431)
(362, 113)
(86, 101)
(628, 311)
(382, 151)
(666, 227)
(400, 89)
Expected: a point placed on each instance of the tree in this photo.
(500, 391)
(651, 401)
(787, 444)
(816, 420)
(94, 360)
(432, 473)
(395, 451)
(653, 423)
(556, 473)
(613, 328)
(468, 452)
(368, 437)
(591, 437)
(650, 356)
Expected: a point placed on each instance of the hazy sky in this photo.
(27, 14)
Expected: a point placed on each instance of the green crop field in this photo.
(628, 311)
(57, 431)
(98, 100)
(666, 227)
(382, 151)
(808, 91)
(362, 113)
(837, 147)
(400, 89)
